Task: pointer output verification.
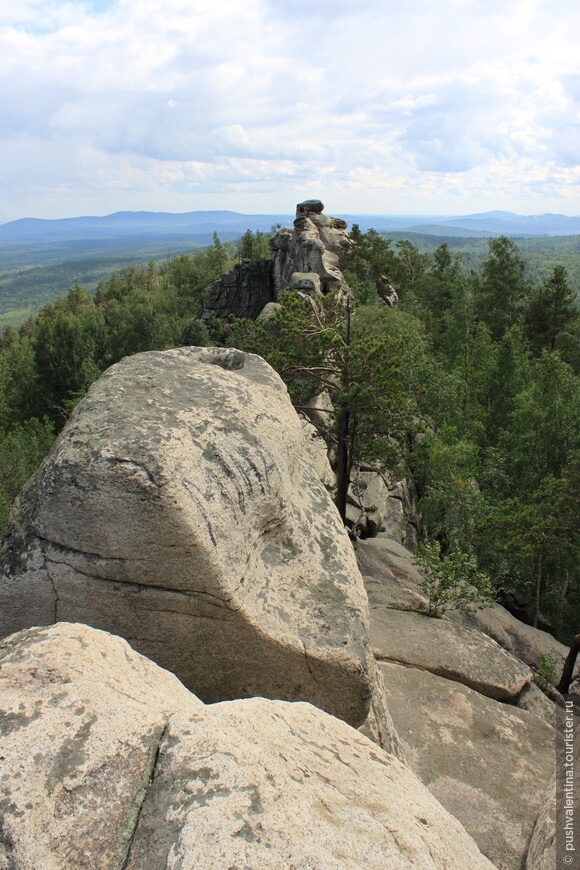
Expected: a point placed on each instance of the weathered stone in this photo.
(243, 292)
(306, 259)
(82, 718)
(524, 641)
(404, 492)
(369, 491)
(394, 593)
(319, 409)
(542, 852)
(448, 650)
(488, 763)
(392, 565)
(313, 246)
(319, 454)
(268, 311)
(394, 520)
(181, 510)
(108, 762)
(532, 699)
(306, 282)
(554, 842)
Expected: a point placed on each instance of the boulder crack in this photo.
(306, 659)
(141, 797)
(56, 598)
(382, 658)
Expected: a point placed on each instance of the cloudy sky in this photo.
(407, 107)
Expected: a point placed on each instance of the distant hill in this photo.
(136, 223)
(129, 224)
(448, 231)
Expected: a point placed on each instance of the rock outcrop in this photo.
(524, 641)
(180, 509)
(243, 292)
(107, 761)
(447, 650)
(306, 259)
(376, 505)
(391, 577)
(542, 854)
(487, 763)
(473, 726)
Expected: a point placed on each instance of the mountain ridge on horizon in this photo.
(495, 222)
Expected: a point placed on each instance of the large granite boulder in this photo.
(107, 761)
(448, 650)
(488, 763)
(181, 510)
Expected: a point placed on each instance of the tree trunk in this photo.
(568, 669)
(561, 600)
(342, 462)
(538, 588)
(343, 458)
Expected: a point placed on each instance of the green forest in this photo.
(470, 385)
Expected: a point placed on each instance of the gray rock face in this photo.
(535, 701)
(379, 505)
(542, 853)
(243, 292)
(448, 650)
(554, 842)
(389, 573)
(524, 641)
(306, 259)
(109, 762)
(180, 509)
(269, 310)
(488, 763)
(313, 246)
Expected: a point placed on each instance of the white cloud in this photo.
(387, 107)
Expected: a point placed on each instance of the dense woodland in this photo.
(470, 385)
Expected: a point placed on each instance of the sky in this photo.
(378, 107)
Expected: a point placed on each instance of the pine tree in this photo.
(550, 312)
(503, 288)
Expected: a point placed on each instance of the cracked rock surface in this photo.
(180, 509)
(109, 762)
(488, 763)
(448, 650)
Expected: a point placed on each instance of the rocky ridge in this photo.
(185, 508)
(475, 728)
(306, 258)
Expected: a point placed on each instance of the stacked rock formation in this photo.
(306, 258)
